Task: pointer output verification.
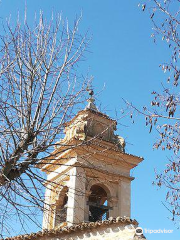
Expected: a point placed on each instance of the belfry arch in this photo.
(61, 207)
(98, 202)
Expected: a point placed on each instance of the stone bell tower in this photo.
(88, 173)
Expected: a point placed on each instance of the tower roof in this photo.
(93, 128)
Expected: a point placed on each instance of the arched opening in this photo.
(61, 208)
(98, 204)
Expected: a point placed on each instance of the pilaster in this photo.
(76, 196)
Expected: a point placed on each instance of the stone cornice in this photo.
(101, 147)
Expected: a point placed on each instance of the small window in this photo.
(98, 204)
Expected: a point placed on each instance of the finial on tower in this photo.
(91, 100)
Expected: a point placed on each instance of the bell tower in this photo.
(88, 173)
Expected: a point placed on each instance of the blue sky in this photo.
(125, 59)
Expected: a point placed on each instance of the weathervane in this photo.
(91, 100)
(91, 92)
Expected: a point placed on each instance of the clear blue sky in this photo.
(125, 58)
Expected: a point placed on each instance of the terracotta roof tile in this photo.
(74, 228)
